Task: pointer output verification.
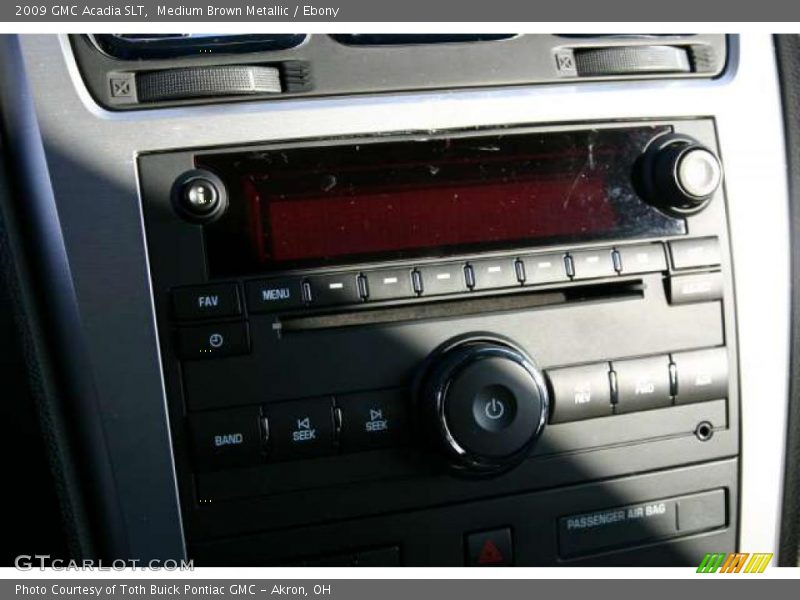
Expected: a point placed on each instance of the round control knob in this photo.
(483, 402)
(199, 196)
(678, 174)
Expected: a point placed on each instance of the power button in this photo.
(494, 407)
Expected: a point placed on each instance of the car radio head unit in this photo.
(428, 196)
(397, 349)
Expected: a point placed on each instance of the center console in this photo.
(494, 346)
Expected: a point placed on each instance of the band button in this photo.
(226, 438)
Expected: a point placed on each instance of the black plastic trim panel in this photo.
(788, 58)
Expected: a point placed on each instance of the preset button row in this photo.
(284, 293)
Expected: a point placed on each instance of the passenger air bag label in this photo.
(620, 526)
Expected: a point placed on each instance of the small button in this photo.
(372, 419)
(389, 284)
(380, 557)
(580, 392)
(698, 173)
(642, 383)
(642, 258)
(698, 252)
(206, 301)
(697, 287)
(200, 196)
(490, 548)
(329, 290)
(494, 273)
(702, 375)
(544, 268)
(301, 428)
(593, 263)
(270, 295)
(702, 512)
(211, 341)
(443, 279)
(226, 438)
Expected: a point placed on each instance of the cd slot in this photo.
(604, 291)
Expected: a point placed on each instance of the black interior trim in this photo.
(788, 59)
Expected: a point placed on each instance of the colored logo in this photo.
(736, 562)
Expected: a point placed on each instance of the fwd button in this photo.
(372, 419)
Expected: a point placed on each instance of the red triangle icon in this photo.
(490, 554)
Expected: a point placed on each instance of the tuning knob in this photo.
(483, 402)
(678, 174)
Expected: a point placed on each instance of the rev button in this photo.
(301, 429)
(580, 392)
(206, 301)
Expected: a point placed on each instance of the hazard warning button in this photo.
(490, 548)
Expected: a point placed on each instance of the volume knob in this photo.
(679, 175)
(483, 402)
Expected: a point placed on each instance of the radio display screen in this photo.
(348, 202)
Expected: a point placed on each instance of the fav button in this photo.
(269, 295)
(301, 429)
(372, 419)
(206, 301)
(580, 392)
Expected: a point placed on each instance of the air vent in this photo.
(151, 46)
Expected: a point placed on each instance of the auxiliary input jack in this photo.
(704, 431)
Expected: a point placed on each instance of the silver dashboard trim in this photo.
(101, 147)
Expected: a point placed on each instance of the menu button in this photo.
(270, 295)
